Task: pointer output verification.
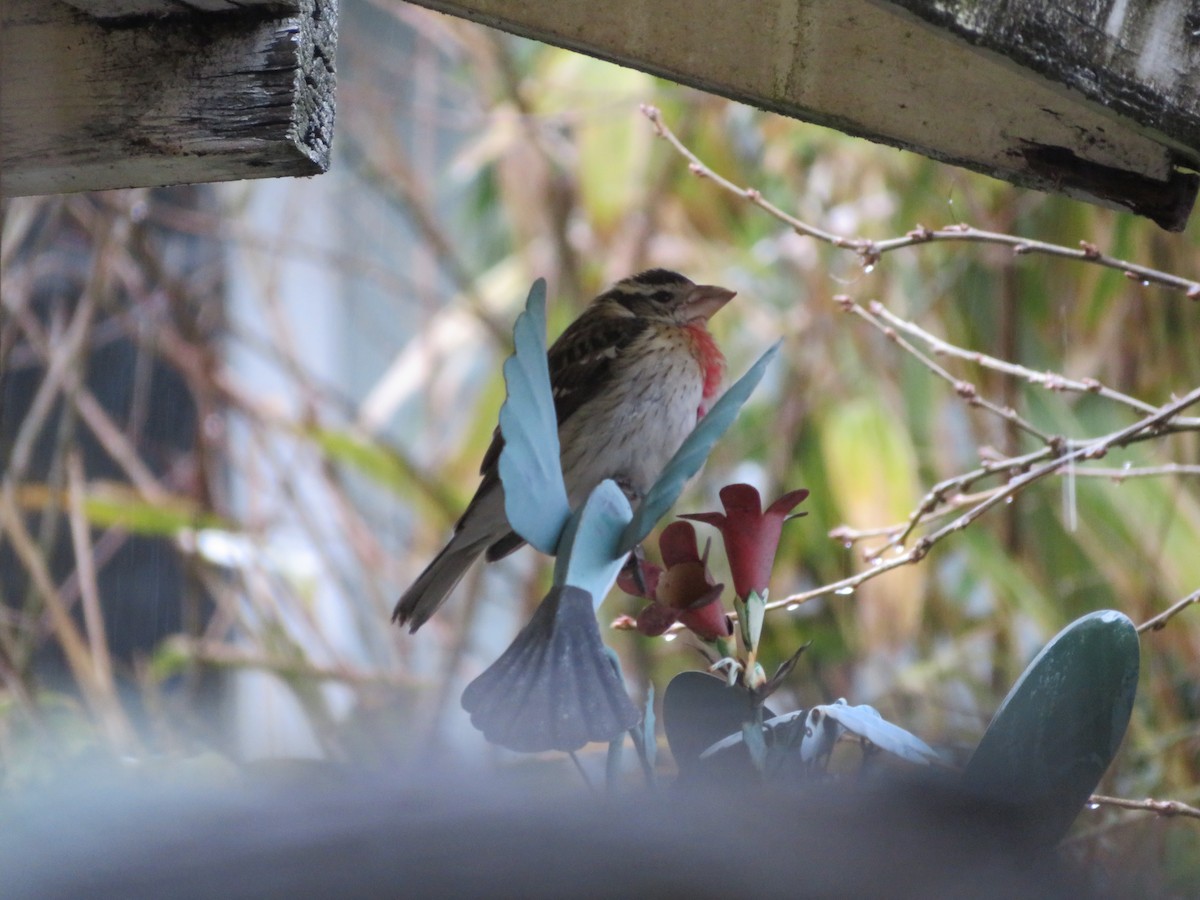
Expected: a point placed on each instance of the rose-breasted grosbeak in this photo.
(630, 377)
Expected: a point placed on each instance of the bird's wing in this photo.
(580, 362)
(582, 359)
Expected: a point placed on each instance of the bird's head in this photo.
(662, 294)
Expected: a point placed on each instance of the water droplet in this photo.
(899, 551)
(847, 545)
(869, 268)
(1145, 282)
(670, 637)
(1008, 500)
(1128, 465)
(844, 590)
(1093, 806)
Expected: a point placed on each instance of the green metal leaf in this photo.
(535, 497)
(698, 710)
(692, 453)
(1061, 724)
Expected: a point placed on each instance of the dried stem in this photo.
(1075, 451)
(1160, 621)
(100, 697)
(1049, 380)
(1161, 807)
(85, 565)
(870, 251)
(966, 390)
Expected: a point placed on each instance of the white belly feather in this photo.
(630, 435)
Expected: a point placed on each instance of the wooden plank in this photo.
(1137, 59)
(872, 70)
(128, 9)
(187, 98)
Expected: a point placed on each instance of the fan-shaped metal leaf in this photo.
(691, 454)
(554, 688)
(587, 551)
(1060, 726)
(535, 497)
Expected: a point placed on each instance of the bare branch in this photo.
(1049, 380)
(1162, 807)
(870, 251)
(1075, 451)
(1160, 621)
(964, 389)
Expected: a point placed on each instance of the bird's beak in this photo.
(705, 299)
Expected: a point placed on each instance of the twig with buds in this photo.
(870, 251)
(1162, 807)
(1159, 622)
(1067, 452)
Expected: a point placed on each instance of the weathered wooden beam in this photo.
(1134, 60)
(1137, 59)
(89, 104)
(129, 9)
(880, 71)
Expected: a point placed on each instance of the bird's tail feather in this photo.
(433, 585)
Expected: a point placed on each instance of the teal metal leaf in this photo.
(535, 497)
(649, 741)
(587, 551)
(819, 728)
(691, 454)
(1061, 724)
(612, 761)
(866, 722)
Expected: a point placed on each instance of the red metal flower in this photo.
(751, 535)
(681, 590)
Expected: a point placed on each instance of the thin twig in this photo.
(1160, 621)
(1161, 807)
(848, 535)
(1092, 449)
(582, 772)
(1125, 473)
(74, 648)
(935, 501)
(109, 435)
(85, 567)
(870, 251)
(964, 389)
(1049, 380)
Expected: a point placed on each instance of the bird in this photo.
(630, 378)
